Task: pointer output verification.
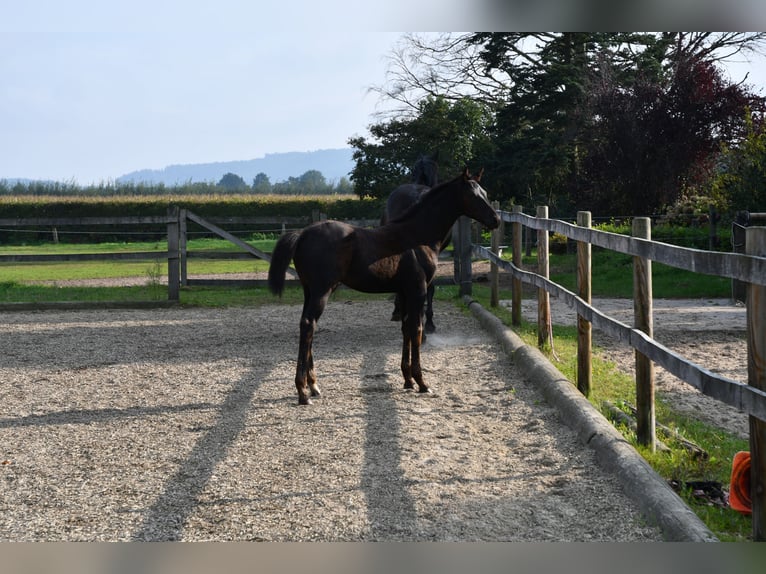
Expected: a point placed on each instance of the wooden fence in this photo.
(748, 267)
(177, 255)
(170, 221)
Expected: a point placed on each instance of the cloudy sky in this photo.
(91, 90)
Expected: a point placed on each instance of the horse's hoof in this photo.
(425, 390)
(315, 392)
(304, 401)
(430, 328)
(409, 385)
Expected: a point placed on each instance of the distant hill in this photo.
(333, 163)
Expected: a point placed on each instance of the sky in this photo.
(97, 89)
(91, 90)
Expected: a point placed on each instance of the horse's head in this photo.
(475, 202)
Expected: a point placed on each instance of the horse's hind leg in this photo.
(312, 376)
(305, 375)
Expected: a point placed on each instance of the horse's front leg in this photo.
(305, 375)
(430, 326)
(409, 383)
(312, 376)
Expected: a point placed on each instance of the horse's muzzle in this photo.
(494, 223)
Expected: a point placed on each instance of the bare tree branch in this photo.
(444, 65)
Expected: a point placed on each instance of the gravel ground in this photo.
(183, 424)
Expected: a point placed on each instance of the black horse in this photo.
(425, 175)
(380, 260)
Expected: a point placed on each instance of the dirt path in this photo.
(182, 424)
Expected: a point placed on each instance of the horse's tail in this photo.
(280, 259)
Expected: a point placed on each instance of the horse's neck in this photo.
(427, 223)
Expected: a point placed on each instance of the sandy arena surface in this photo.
(183, 424)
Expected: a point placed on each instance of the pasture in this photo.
(181, 424)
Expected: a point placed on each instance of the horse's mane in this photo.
(430, 194)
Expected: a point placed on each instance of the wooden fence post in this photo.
(528, 241)
(544, 334)
(516, 231)
(643, 321)
(464, 224)
(497, 234)
(755, 244)
(182, 246)
(173, 255)
(738, 231)
(584, 327)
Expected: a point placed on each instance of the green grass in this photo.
(612, 276)
(12, 292)
(21, 272)
(265, 244)
(69, 270)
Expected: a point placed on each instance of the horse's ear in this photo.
(477, 178)
(466, 173)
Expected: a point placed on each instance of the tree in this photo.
(313, 182)
(740, 183)
(232, 182)
(562, 101)
(659, 138)
(538, 130)
(344, 186)
(455, 132)
(261, 183)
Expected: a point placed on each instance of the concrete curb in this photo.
(659, 504)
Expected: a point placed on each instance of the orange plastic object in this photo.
(739, 489)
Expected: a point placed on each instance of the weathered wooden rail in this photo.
(748, 267)
(177, 255)
(170, 221)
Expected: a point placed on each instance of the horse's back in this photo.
(320, 249)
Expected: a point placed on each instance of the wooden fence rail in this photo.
(739, 395)
(749, 267)
(176, 223)
(170, 221)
